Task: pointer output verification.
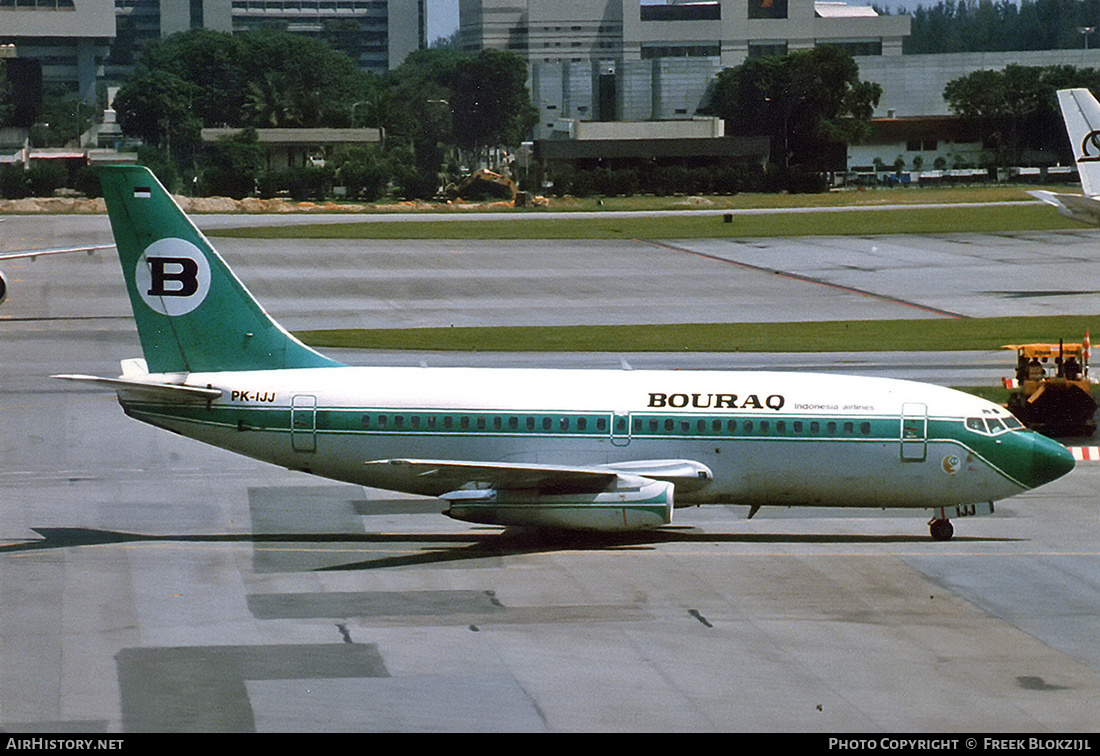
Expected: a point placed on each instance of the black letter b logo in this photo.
(173, 276)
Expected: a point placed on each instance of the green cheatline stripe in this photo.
(918, 335)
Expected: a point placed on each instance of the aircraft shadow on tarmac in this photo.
(489, 543)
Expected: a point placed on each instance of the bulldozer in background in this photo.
(1052, 391)
(484, 183)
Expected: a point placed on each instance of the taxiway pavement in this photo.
(150, 583)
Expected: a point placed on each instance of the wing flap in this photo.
(442, 476)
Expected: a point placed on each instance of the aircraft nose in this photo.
(1049, 460)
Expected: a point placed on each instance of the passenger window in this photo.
(798, 426)
(564, 424)
(530, 423)
(582, 423)
(865, 429)
(830, 428)
(849, 429)
(731, 426)
(670, 424)
(747, 426)
(601, 424)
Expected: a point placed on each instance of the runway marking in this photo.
(807, 279)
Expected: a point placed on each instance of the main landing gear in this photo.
(941, 530)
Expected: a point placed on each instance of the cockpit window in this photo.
(993, 425)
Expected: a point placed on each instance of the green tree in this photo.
(1016, 110)
(156, 106)
(231, 165)
(490, 101)
(807, 102)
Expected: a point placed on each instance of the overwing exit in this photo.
(604, 450)
(1081, 113)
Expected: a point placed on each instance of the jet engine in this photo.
(633, 503)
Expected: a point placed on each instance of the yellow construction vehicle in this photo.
(1052, 391)
(481, 183)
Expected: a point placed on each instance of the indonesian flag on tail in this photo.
(142, 192)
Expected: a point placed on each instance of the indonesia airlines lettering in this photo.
(604, 450)
(1081, 113)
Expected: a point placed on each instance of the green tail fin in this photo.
(192, 313)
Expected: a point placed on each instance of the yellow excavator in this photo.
(1052, 391)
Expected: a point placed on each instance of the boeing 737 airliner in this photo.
(599, 450)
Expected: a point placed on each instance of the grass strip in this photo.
(923, 220)
(920, 335)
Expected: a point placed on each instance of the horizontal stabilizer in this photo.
(33, 253)
(1076, 206)
(166, 391)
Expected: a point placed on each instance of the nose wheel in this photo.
(941, 530)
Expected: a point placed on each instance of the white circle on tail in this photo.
(172, 276)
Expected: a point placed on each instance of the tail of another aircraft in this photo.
(1081, 112)
(192, 313)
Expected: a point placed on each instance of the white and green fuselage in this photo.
(765, 438)
(592, 449)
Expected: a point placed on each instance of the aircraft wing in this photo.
(1075, 206)
(443, 476)
(32, 253)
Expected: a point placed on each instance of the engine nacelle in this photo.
(634, 503)
(3, 287)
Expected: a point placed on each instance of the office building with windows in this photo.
(609, 60)
(67, 39)
(379, 34)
